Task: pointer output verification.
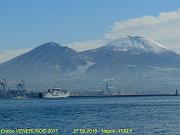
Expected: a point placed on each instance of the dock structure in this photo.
(107, 91)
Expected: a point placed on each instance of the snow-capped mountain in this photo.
(132, 62)
(135, 62)
(137, 44)
(133, 51)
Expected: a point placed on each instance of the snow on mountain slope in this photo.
(80, 70)
(136, 43)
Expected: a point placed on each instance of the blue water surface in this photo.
(145, 115)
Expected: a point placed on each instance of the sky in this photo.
(85, 24)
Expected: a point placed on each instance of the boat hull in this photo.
(49, 96)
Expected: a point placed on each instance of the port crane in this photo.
(3, 84)
(20, 85)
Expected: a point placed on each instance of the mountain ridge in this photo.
(52, 64)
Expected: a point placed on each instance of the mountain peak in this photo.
(52, 44)
(136, 43)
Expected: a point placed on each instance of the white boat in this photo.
(56, 93)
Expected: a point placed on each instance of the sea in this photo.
(158, 115)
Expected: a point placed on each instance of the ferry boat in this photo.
(56, 93)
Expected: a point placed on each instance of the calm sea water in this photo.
(145, 115)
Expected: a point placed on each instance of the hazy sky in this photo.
(85, 24)
(28, 23)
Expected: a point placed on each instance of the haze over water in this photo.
(145, 115)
